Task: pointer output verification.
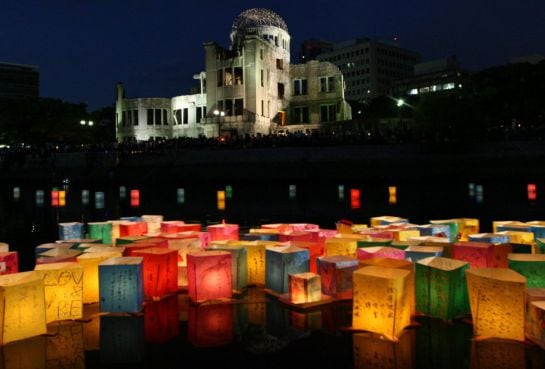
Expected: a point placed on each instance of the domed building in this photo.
(248, 88)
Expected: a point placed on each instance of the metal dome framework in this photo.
(257, 17)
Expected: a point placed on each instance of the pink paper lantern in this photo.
(209, 275)
(221, 232)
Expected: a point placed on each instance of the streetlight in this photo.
(400, 103)
(89, 123)
(219, 114)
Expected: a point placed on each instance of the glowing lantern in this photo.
(471, 190)
(441, 290)
(210, 325)
(4, 247)
(180, 196)
(135, 198)
(122, 339)
(374, 242)
(372, 351)
(260, 235)
(380, 252)
(160, 271)
(392, 195)
(57, 255)
(416, 253)
(209, 275)
(221, 200)
(381, 300)
(132, 229)
(341, 246)
(453, 228)
(537, 228)
(522, 242)
(435, 230)
(340, 192)
(239, 264)
(479, 194)
(493, 354)
(101, 231)
(65, 347)
(530, 266)
(121, 285)
(40, 197)
(62, 198)
(220, 232)
(535, 327)
(355, 202)
(122, 192)
(172, 227)
(294, 236)
(161, 320)
(256, 263)
(315, 250)
(477, 254)
(22, 306)
(304, 288)
(336, 275)
(69, 231)
(281, 261)
(16, 193)
(85, 197)
(54, 198)
(90, 262)
(99, 200)
(489, 238)
(292, 191)
(495, 294)
(532, 192)
(63, 285)
(229, 192)
(387, 219)
(153, 222)
(9, 262)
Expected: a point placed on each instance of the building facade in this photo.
(249, 88)
(19, 81)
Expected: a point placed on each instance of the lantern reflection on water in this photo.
(381, 300)
(65, 347)
(161, 320)
(22, 306)
(209, 275)
(28, 353)
(497, 300)
(210, 325)
(121, 285)
(281, 261)
(372, 351)
(63, 286)
(498, 354)
(122, 339)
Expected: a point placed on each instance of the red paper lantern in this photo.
(132, 229)
(9, 262)
(135, 198)
(160, 271)
(161, 322)
(477, 254)
(210, 325)
(355, 198)
(532, 192)
(209, 275)
(315, 250)
(55, 198)
(131, 248)
(221, 232)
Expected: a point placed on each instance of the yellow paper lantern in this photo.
(467, 226)
(371, 351)
(89, 262)
(406, 234)
(535, 323)
(341, 246)
(497, 299)
(63, 286)
(305, 288)
(256, 263)
(22, 306)
(381, 300)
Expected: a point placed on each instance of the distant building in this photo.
(250, 88)
(532, 59)
(310, 49)
(441, 75)
(19, 81)
(370, 67)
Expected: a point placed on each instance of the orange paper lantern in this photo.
(160, 271)
(209, 275)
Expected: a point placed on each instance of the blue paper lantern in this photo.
(71, 231)
(121, 287)
(281, 261)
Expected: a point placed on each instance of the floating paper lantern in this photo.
(479, 194)
(292, 191)
(210, 325)
(171, 227)
(40, 196)
(85, 197)
(260, 235)
(489, 238)
(65, 347)
(374, 242)
(498, 353)
(62, 198)
(55, 198)
(22, 306)
(101, 231)
(372, 351)
(4, 247)
(315, 250)
(57, 255)
(180, 196)
(63, 285)
(392, 195)
(454, 228)
(380, 252)
(121, 285)
(16, 193)
(122, 339)
(387, 219)
(153, 222)
(355, 202)
(9, 262)
(304, 288)
(435, 230)
(135, 198)
(416, 253)
(256, 263)
(340, 192)
(161, 320)
(239, 264)
(535, 323)
(441, 290)
(70, 230)
(540, 245)
(295, 236)
(537, 228)
(132, 229)
(209, 275)
(90, 262)
(122, 192)
(336, 275)
(281, 261)
(522, 242)
(160, 271)
(381, 300)
(220, 232)
(532, 192)
(477, 254)
(220, 200)
(129, 239)
(530, 266)
(341, 246)
(99, 200)
(497, 298)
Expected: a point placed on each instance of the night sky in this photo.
(83, 47)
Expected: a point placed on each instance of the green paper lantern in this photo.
(530, 266)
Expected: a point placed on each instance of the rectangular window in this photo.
(186, 116)
(199, 114)
(262, 108)
(124, 118)
(300, 115)
(300, 87)
(279, 64)
(229, 107)
(228, 76)
(220, 104)
(238, 76)
(117, 118)
(220, 77)
(129, 117)
(150, 117)
(280, 90)
(204, 111)
(327, 84)
(328, 113)
(165, 117)
(135, 117)
(178, 116)
(239, 106)
(261, 54)
(158, 115)
(262, 81)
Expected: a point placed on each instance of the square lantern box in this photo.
(387, 219)
(183, 246)
(132, 229)
(304, 288)
(171, 227)
(522, 242)
(101, 231)
(72, 230)
(97, 249)
(454, 228)
(380, 252)
(336, 275)
(22, 306)
(540, 246)
(57, 256)
(239, 264)
(498, 353)
(467, 226)
(153, 223)
(341, 246)
(281, 261)
(315, 250)
(537, 227)
(535, 327)
(381, 302)
(121, 285)
(9, 262)
(122, 339)
(530, 266)
(210, 325)
(90, 262)
(256, 261)
(65, 347)
(63, 286)
(372, 351)
(435, 230)
(441, 290)
(160, 271)
(477, 254)
(50, 246)
(219, 232)
(405, 234)
(497, 300)
(416, 253)
(209, 275)
(161, 320)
